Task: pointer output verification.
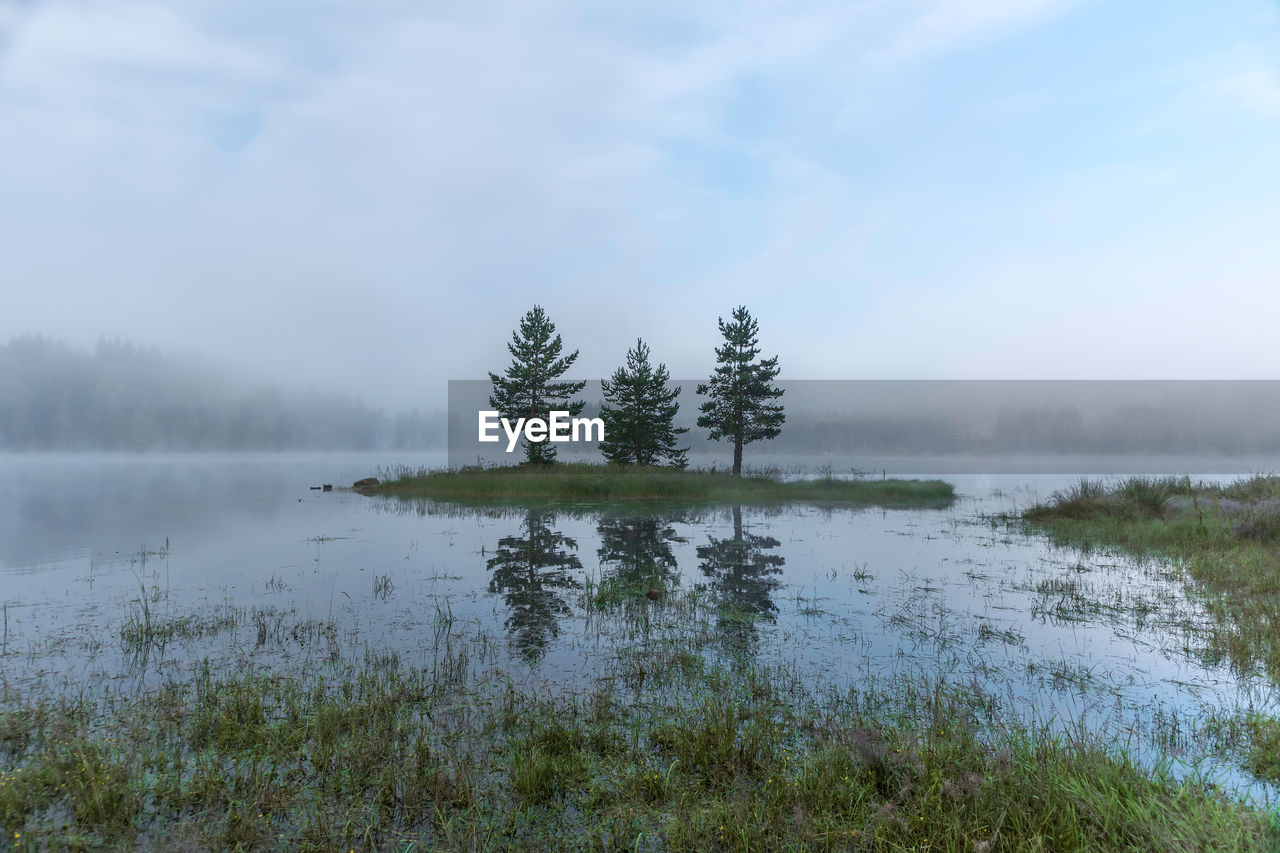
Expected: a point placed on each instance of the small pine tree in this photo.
(639, 414)
(529, 389)
(739, 407)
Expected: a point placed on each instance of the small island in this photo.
(639, 437)
(576, 482)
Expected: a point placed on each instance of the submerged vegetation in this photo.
(1227, 539)
(587, 482)
(678, 744)
(674, 711)
(1226, 536)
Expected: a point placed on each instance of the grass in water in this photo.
(585, 482)
(719, 752)
(1226, 538)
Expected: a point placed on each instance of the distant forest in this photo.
(119, 396)
(977, 418)
(1142, 428)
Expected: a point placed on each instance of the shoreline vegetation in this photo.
(680, 743)
(596, 482)
(1226, 537)
(682, 740)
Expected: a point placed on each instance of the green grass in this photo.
(584, 482)
(1263, 744)
(143, 628)
(677, 743)
(726, 754)
(1227, 538)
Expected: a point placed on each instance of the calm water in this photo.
(842, 597)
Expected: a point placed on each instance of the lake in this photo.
(235, 552)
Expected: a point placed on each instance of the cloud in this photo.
(1256, 90)
(258, 182)
(939, 26)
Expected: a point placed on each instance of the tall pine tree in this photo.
(639, 413)
(740, 405)
(529, 388)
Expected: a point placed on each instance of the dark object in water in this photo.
(367, 481)
(315, 488)
(328, 487)
(654, 594)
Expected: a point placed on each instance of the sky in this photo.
(368, 196)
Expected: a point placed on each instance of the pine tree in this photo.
(639, 414)
(529, 389)
(740, 406)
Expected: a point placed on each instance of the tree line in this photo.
(640, 405)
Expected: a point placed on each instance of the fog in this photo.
(118, 396)
(339, 200)
(960, 417)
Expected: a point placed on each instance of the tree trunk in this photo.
(737, 456)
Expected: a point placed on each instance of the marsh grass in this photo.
(1263, 744)
(674, 745)
(585, 482)
(143, 628)
(1227, 540)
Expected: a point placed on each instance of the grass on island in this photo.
(1226, 538)
(587, 482)
(716, 752)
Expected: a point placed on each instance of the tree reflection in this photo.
(742, 578)
(636, 552)
(532, 571)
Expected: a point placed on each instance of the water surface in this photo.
(861, 597)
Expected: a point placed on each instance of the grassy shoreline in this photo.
(678, 745)
(587, 482)
(679, 741)
(1226, 537)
